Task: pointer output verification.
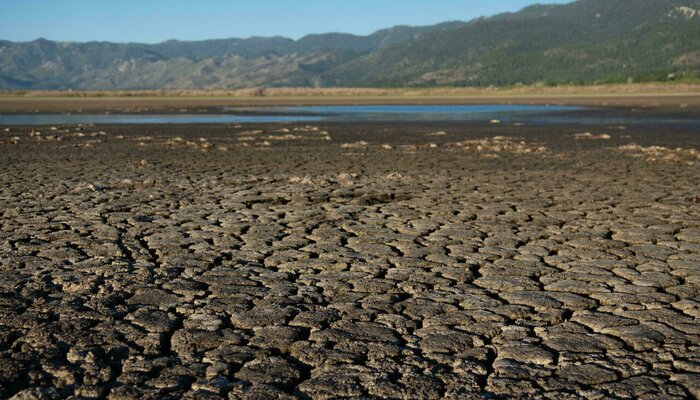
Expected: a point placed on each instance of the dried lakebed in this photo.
(349, 261)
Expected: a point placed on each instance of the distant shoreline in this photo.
(567, 90)
(666, 98)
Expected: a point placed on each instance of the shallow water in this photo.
(509, 114)
(142, 119)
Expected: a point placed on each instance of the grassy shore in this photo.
(598, 90)
(684, 98)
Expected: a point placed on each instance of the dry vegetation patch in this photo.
(355, 145)
(500, 144)
(591, 136)
(662, 155)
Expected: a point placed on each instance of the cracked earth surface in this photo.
(347, 262)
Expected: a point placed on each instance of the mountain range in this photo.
(586, 41)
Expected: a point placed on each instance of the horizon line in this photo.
(42, 38)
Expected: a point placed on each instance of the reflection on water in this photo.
(528, 114)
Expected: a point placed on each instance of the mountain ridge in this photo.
(586, 41)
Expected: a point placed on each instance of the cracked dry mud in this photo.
(414, 263)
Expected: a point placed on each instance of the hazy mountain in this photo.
(585, 41)
(582, 42)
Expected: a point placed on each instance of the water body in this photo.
(145, 119)
(507, 114)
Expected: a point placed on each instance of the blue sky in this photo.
(151, 21)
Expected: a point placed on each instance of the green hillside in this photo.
(583, 42)
(587, 41)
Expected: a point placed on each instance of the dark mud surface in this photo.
(349, 261)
